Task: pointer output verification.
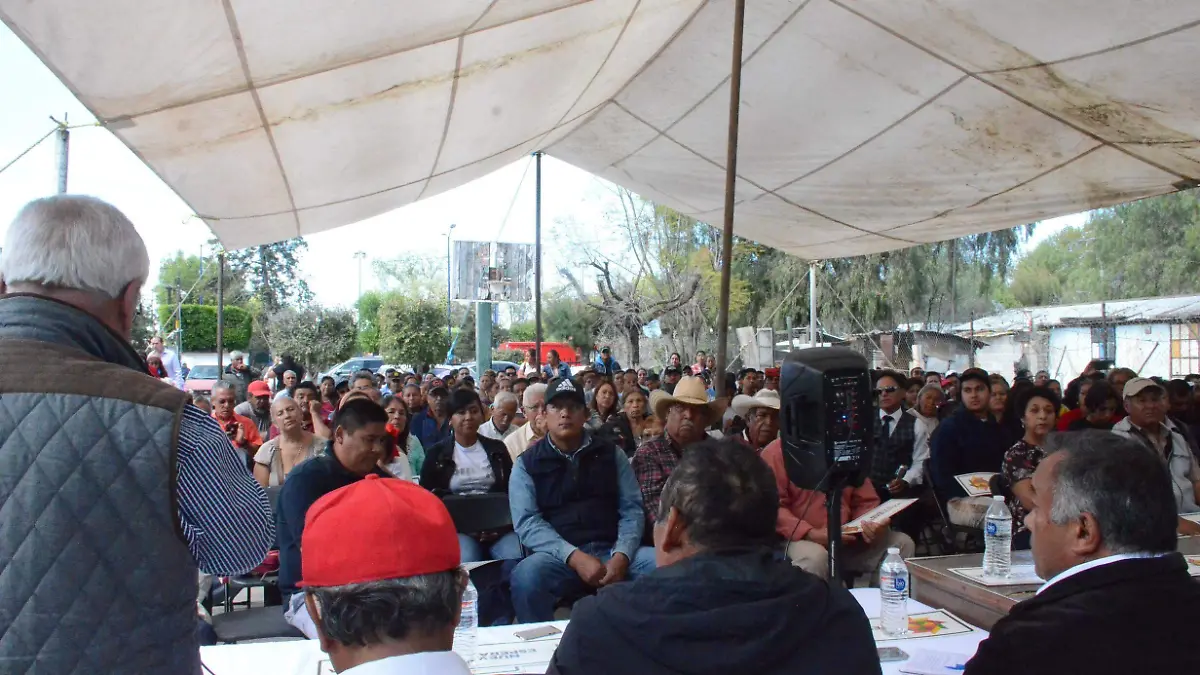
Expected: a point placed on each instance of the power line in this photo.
(27, 150)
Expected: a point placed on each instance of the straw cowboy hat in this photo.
(689, 391)
(742, 404)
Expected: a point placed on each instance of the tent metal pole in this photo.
(812, 303)
(221, 315)
(735, 96)
(537, 262)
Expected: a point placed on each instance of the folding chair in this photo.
(260, 623)
(972, 537)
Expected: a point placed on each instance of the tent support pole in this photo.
(735, 95)
(537, 261)
(812, 303)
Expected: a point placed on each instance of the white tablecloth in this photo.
(498, 645)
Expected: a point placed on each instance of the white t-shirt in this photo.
(472, 470)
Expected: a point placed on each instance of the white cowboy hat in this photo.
(689, 391)
(742, 404)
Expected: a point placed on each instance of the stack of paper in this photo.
(1019, 575)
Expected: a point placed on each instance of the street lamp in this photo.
(449, 320)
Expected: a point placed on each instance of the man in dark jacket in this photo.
(720, 602)
(1119, 599)
(968, 441)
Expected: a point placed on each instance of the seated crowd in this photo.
(616, 486)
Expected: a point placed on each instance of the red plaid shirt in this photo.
(653, 464)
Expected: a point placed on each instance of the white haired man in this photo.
(504, 411)
(241, 375)
(166, 491)
(533, 405)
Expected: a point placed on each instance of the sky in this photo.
(102, 166)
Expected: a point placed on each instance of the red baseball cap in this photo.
(258, 388)
(376, 529)
(771, 372)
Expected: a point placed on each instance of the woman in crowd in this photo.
(467, 463)
(913, 390)
(999, 398)
(605, 405)
(929, 399)
(155, 367)
(329, 398)
(1039, 411)
(1100, 405)
(629, 427)
(409, 455)
(278, 456)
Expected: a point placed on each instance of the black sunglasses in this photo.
(886, 390)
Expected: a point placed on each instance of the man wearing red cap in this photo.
(772, 381)
(257, 407)
(360, 440)
(377, 607)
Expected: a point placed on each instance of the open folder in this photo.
(882, 512)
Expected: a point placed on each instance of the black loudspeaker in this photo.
(825, 421)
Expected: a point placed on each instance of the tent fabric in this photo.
(866, 125)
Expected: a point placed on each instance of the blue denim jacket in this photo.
(539, 536)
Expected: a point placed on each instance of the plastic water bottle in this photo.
(465, 633)
(997, 540)
(893, 594)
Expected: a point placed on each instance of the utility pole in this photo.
(179, 317)
(63, 136)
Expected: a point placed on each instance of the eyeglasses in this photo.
(886, 390)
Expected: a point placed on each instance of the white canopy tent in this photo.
(866, 125)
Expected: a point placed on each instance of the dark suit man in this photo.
(1119, 599)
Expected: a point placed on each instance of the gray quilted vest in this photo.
(95, 576)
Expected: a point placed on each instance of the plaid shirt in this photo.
(652, 464)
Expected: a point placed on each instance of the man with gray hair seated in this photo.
(1118, 597)
(533, 404)
(504, 410)
(377, 607)
(113, 484)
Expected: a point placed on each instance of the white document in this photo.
(882, 512)
(1019, 575)
(924, 662)
(1194, 517)
(976, 484)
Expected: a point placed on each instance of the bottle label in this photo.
(899, 583)
(990, 529)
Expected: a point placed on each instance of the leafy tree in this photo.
(1140, 249)
(199, 276)
(143, 327)
(413, 275)
(412, 330)
(368, 321)
(199, 326)
(316, 336)
(571, 320)
(271, 272)
(521, 331)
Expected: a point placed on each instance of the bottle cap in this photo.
(997, 498)
(893, 550)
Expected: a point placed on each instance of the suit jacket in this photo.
(891, 452)
(1129, 616)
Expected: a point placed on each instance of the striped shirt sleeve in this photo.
(225, 515)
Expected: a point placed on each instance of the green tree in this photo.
(199, 326)
(413, 275)
(1145, 248)
(412, 330)
(368, 321)
(316, 336)
(571, 320)
(199, 276)
(143, 327)
(521, 331)
(271, 273)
